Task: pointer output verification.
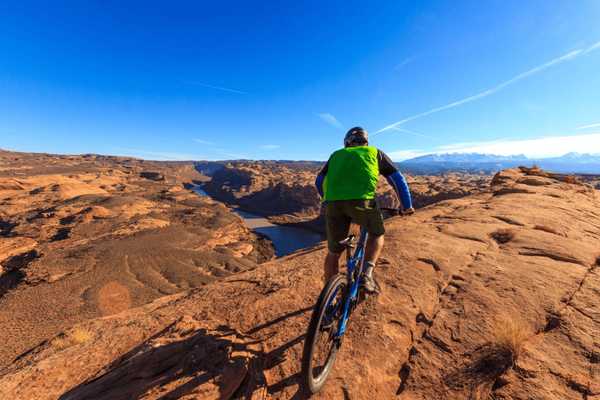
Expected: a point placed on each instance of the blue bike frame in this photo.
(353, 284)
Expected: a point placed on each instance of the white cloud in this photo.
(202, 141)
(330, 119)
(589, 126)
(401, 155)
(537, 148)
(566, 57)
(551, 146)
(270, 146)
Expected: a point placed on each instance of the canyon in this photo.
(119, 282)
(89, 236)
(285, 192)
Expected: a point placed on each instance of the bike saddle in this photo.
(348, 242)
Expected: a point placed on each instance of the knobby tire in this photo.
(335, 286)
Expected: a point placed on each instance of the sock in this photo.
(369, 269)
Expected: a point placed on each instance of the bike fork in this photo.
(345, 316)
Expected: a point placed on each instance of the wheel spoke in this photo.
(325, 341)
(321, 344)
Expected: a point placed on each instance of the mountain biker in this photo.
(347, 183)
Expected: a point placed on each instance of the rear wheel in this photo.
(320, 346)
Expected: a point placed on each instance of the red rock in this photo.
(473, 305)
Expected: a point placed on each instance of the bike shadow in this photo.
(181, 360)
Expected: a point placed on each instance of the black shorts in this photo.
(341, 213)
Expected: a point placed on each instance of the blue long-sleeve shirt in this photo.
(398, 182)
(388, 170)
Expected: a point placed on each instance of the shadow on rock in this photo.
(482, 372)
(186, 360)
(204, 362)
(15, 270)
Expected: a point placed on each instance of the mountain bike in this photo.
(332, 311)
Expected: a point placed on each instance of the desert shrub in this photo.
(81, 335)
(511, 333)
(78, 335)
(487, 363)
(503, 235)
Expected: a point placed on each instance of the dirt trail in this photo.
(454, 276)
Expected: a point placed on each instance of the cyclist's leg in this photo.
(373, 248)
(332, 265)
(367, 214)
(337, 225)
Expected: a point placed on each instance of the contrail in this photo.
(331, 120)
(569, 56)
(410, 132)
(222, 88)
(589, 126)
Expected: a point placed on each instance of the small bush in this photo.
(80, 335)
(503, 235)
(60, 342)
(487, 363)
(511, 334)
(77, 336)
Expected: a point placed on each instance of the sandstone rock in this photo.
(473, 305)
(285, 192)
(84, 237)
(15, 245)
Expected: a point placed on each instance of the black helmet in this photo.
(356, 136)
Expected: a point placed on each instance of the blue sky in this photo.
(263, 80)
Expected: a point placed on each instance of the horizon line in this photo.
(285, 160)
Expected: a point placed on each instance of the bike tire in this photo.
(316, 383)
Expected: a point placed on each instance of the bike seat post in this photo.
(348, 243)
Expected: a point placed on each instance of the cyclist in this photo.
(347, 183)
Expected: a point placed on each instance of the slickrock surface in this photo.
(492, 296)
(89, 236)
(285, 192)
(593, 180)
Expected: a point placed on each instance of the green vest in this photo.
(352, 174)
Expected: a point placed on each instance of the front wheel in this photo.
(320, 346)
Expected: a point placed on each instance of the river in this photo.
(286, 239)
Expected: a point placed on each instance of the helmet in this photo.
(356, 136)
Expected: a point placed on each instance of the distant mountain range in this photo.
(433, 164)
(490, 163)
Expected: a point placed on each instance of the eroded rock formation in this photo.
(494, 295)
(285, 192)
(87, 236)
